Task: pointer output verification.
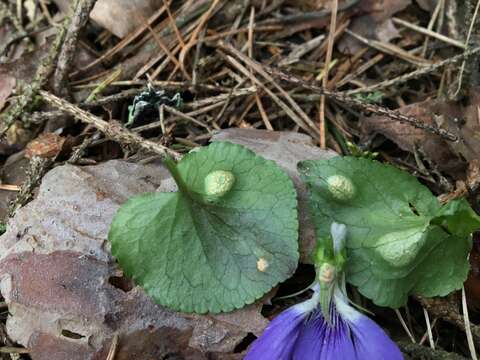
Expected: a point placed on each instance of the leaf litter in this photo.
(63, 110)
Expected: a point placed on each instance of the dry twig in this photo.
(112, 130)
(78, 21)
(415, 74)
(38, 167)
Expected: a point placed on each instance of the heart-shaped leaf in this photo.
(228, 236)
(401, 240)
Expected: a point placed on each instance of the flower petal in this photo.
(369, 340)
(321, 341)
(339, 235)
(278, 339)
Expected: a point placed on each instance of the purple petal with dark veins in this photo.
(321, 341)
(278, 339)
(301, 333)
(369, 340)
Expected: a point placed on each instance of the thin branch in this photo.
(415, 74)
(78, 21)
(112, 130)
(37, 168)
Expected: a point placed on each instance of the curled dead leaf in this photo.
(411, 139)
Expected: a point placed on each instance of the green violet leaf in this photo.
(207, 248)
(401, 240)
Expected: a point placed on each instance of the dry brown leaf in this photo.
(371, 24)
(386, 31)
(411, 139)
(46, 145)
(121, 17)
(460, 119)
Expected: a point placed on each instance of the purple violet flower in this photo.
(301, 333)
(325, 327)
